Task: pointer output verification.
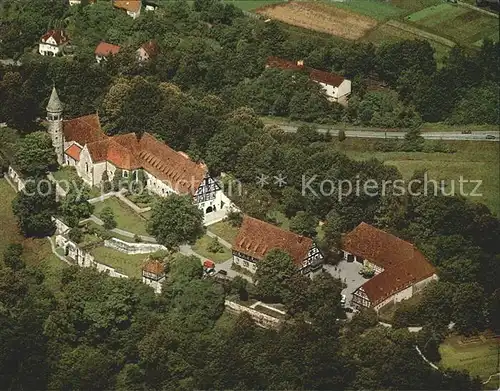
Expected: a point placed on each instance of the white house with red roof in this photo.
(52, 42)
(147, 51)
(103, 50)
(81, 143)
(336, 87)
(256, 238)
(400, 268)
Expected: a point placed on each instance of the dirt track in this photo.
(320, 17)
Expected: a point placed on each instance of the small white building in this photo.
(132, 7)
(52, 43)
(336, 87)
(256, 238)
(400, 268)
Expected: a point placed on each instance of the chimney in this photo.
(300, 63)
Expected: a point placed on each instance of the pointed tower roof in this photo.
(54, 105)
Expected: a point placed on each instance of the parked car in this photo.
(343, 300)
(467, 131)
(490, 137)
(223, 272)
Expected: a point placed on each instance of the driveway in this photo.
(348, 272)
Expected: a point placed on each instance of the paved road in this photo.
(475, 136)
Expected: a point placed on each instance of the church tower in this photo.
(54, 118)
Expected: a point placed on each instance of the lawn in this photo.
(379, 10)
(281, 219)
(479, 358)
(474, 160)
(201, 247)
(225, 230)
(69, 175)
(461, 24)
(126, 218)
(414, 5)
(130, 265)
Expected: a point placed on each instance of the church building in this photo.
(81, 143)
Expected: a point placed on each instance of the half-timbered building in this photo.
(400, 268)
(256, 238)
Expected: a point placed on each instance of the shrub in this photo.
(137, 238)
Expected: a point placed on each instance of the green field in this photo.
(130, 265)
(474, 160)
(460, 24)
(379, 10)
(479, 358)
(414, 5)
(125, 217)
(201, 247)
(248, 5)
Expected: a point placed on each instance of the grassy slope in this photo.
(224, 230)
(125, 217)
(479, 358)
(127, 264)
(474, 160)
(374, 9)
(248, 5)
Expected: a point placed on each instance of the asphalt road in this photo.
(475, 136)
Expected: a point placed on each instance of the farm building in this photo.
(256, 238)
(400, 268)
(336, 87)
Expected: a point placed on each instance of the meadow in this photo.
(479, 358)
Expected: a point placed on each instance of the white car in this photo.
(343, 300)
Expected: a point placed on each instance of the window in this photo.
(125, 173)
(245, 263)
(86, 167)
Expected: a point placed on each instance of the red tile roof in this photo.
(402, 262)
(83, 130)
(128, 152)
(128, 5)
(105, 49)
(74, 152)
(255, 238)
(154, 267)
(59, 36)
(314, 74)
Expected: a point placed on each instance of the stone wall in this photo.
(84, 258)
(262, 320)
(133, 248)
